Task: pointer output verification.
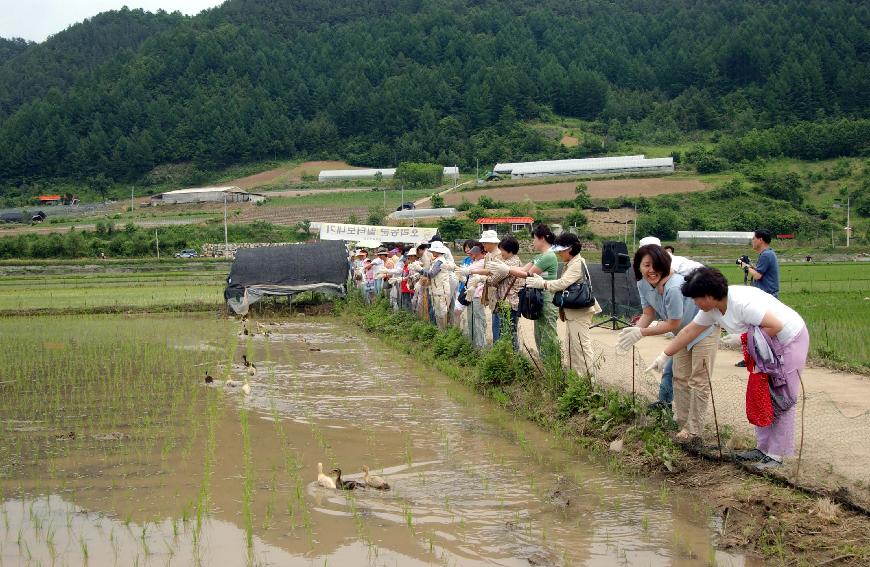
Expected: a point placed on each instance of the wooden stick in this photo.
(715, 417)
(797, 471)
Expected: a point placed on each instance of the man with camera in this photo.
(765, 273)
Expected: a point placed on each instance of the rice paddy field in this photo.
(114, 451)
(834, 300)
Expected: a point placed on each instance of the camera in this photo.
(743, 260)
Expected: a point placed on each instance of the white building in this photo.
(231, 194)
(444, 212)
(386, 173)
(591, 166)
(507, 168)
(715, 237)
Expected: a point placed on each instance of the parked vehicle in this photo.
(187, 253)
(406, 206)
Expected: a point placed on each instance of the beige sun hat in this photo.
(490, 236)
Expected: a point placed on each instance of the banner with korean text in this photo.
(357, 232)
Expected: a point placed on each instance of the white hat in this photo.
(559, 248)
(490, 236)
(649, 240)
(438, 247)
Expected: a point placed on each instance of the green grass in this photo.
(831, 299)
(113, 290)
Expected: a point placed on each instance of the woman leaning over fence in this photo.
(743, 309)
(581, 356)
(546, 265)
(661, 297)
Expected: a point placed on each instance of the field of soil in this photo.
(604, 189)
(287, 174)
(609, 223)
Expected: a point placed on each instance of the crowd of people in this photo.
(679, 296)
(426, 279)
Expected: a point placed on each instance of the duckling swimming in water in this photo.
(322, 479)
(346, 484)
(252, 370)
(374, 480)
(246, 388)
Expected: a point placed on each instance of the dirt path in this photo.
(604, 189)
(836, 415)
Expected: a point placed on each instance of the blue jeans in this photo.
(666, 388)
(496, 326)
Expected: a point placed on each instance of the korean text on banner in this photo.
(356, 232)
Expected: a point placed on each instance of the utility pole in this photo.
(848, 219)
(476, 170)
(158, 243)
(131, 201)
(226, 241)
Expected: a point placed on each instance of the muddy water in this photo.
(471, 485)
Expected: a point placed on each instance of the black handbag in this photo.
(461, 297)
(531, 302)
(578, 295)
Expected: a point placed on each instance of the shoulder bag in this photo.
(578, 295)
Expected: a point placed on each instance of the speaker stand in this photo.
(613, 320)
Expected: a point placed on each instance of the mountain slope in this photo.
(32, 70)
(380, 81)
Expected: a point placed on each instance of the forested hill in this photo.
(379, 81)
(30, 70)
(9, 48)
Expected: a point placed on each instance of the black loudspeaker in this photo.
(614, 257)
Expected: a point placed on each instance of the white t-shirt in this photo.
(684, 266)
(748, 306)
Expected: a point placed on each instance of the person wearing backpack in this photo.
(581, 356)
(545, 265)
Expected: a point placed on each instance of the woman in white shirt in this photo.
(737, 308)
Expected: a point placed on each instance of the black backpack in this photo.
(531, 302)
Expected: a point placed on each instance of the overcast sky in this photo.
(37, 19)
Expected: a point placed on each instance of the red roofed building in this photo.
(49, 199)
(516, 223)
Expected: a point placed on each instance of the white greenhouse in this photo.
(444, 212)
(715, 237)
(386, 173)
(231, 194)
(594, 166)
(507, 168)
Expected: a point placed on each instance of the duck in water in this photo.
(374, 480)
(346, 484)
(208, 378)
(322, 479)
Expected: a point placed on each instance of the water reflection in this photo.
(470, 483)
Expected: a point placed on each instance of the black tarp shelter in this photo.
(285, 271)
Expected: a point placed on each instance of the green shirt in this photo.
(548, 264)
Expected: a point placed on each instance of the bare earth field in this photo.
(286, 174)
(610, 223)
(604, 189)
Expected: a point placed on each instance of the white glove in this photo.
(535, 281)
(627, 338)
(415, 267)
(475, 281)
(731, 340)
(448, 266)
(658, 364)
(462, 271)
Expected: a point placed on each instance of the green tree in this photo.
(437, 201)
